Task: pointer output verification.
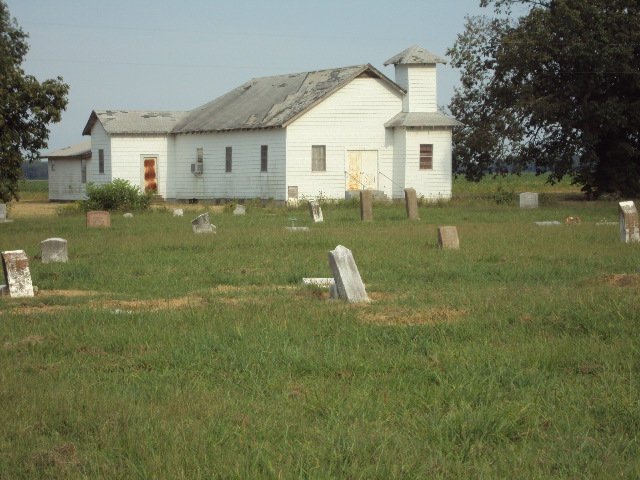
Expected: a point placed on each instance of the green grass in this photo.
(34, 190)
(515, 357)
(527, 182)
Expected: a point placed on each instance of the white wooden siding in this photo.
(245, 179)
(100, 139)
(435, 183)
(351, 119)
(126, 158)
(420, 83)
(65, 183)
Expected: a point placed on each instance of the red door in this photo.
(150, 177)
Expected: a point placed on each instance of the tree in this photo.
(26, 107)
(557, 88)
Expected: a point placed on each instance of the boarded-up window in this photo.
(264, 158)
(228, 159)
(83, 171)
(426, 157)
(100, 161)
(200, 155)
(318, 158)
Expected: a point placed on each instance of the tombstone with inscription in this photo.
(629, 225)
(177, 212)
(240, 210)
(528, 200)
(202, 224)
(54, 250)
(366, 205)
(16, 273)
(448, 237)
(98, 219)
(347, 278)
(411, 203)
(316, 211)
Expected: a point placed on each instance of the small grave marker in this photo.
(98, 219)
(366, 205)
(202, 224)
(240, 210)
(411, 203)
(316, 211)
(177, 212)
(347, 278)
(54, 250)
(322, 282)
(629, 224)
(128, 215)
(3, 211)
(528, 200)
(548, 223)
(448, 237)
(16, 273)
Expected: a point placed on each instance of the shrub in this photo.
(118, 194)
(502, 196)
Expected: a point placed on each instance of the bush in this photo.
(119, 194)
(503, 196)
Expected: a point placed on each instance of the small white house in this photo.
(68, 171)
(304, 135)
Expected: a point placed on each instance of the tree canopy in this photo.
(557, 88)
(26, 107)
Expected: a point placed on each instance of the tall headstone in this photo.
(629, 225)
(16, 273)
(3, 211)
(528, 200)
(98, 219)
(54, 250)
(448, 237)
(366, 205)
(177, 212)
(316, 211)
(240, 210)
(202, 224)
(349, 285)
(411, 203)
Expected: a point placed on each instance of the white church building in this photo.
(287, 137)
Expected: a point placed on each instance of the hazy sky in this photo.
(177, 55)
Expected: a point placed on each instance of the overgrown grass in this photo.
(34, 190)
(527, 182)
(203, 356)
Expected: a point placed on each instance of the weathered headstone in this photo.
(348, 283)
(551, 223)
(321, 282)
(240, 210)
(316, 211)
(366, 205)
(3, 211)
(629, 224)
(54, 250)
(448, 237)
(16, 273)
(528, 200)
(177, 212)
(98, 219)
(128, 215)
(411, 203)
(333, 292)
(297, 229)
(202, 224)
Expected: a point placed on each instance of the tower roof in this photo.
(415, 55)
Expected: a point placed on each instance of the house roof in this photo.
(414, 55)
(422, 119)
(271, 102)
(78, 151)
(131, 121)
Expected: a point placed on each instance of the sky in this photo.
(178, 55)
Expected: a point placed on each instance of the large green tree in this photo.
(26, 107)
(556, 87)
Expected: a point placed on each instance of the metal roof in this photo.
(78, 151)
(271, 102)
(130, 121)
(415, 55)
(422, 119)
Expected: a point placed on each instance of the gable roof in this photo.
(414, 55)
(271, 102)
(132, 121)
(422, 119)
(81, 150)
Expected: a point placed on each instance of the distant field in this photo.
(34, 189)
(527, 182)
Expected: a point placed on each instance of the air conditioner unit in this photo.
(197, 168)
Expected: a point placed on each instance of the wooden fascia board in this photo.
(93, 118)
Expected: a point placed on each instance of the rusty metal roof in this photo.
(130, 121)
(422, 119)
(272, 102)
(78, 151)
(414, 55)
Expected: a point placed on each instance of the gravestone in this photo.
(548, 223)
(333, 292)
(316, 211)
(528, 200)
(177, 212)
(348, 283)
(128, 215)
(321, 282)
(297, 229)
(98, 219)
(411, 203)
(448, 237)
(240, 210)
(3, 211)
(16, 273)
(54, 250)
(366, 205)
(629, 225)
(202, 224)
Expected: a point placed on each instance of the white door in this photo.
(362, 170)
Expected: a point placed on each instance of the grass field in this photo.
(157, 353)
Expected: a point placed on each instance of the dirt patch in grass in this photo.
(68, 293)
(404, 316)
(622, 280)
(27, 341)
(33, 208)
(38, 308)
(62, 457)
(179, 303)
